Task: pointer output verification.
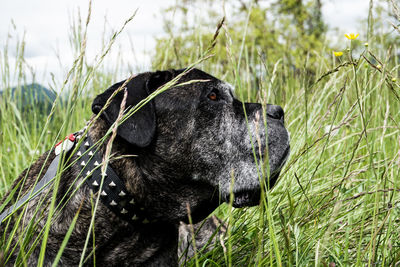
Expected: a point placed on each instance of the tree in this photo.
(287, 30)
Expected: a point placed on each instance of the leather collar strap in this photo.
(40, 186)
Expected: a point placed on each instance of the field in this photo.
(337, 201)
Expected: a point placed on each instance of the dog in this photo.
(192, 145)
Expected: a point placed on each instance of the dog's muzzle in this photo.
(278, 154)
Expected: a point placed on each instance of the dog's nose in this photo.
(275, 112)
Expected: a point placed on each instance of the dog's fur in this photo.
(188, 147)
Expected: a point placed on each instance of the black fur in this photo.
(189, 141)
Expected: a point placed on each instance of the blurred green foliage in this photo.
(290, 30)
(264, 32)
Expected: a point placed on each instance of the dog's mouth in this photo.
(246, 198)
(250, 198)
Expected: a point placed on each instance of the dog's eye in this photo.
(213, 96)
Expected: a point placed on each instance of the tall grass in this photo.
(337, 200)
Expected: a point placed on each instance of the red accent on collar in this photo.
(70, 137)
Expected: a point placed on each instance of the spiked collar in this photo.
(112, 190)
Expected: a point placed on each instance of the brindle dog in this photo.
(190, 141)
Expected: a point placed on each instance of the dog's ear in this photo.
(159, 78)
(139, 129)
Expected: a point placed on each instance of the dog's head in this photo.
(197, 140)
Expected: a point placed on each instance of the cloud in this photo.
(47, 27)
(344, 14)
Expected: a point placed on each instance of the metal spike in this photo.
(112, 184)
(122, 194)
(96, 184)
(104, 174)
(145, 221)
(132, 201)
(96, 163)
(79, 153)
(90, 153)
(83, 163)
(113, 203)
(124, 211)
(87, 144)
(88, 173)
(103, 193)
(134, 218)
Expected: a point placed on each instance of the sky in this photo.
(46, 27)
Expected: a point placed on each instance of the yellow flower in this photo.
(338, 53)
(394, 79)
(351, 36)
(379, 66)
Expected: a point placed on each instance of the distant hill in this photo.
(27, 96)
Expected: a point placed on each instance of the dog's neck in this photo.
(153, 192)
(125, 167)
(139, 179)
(162, 235)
